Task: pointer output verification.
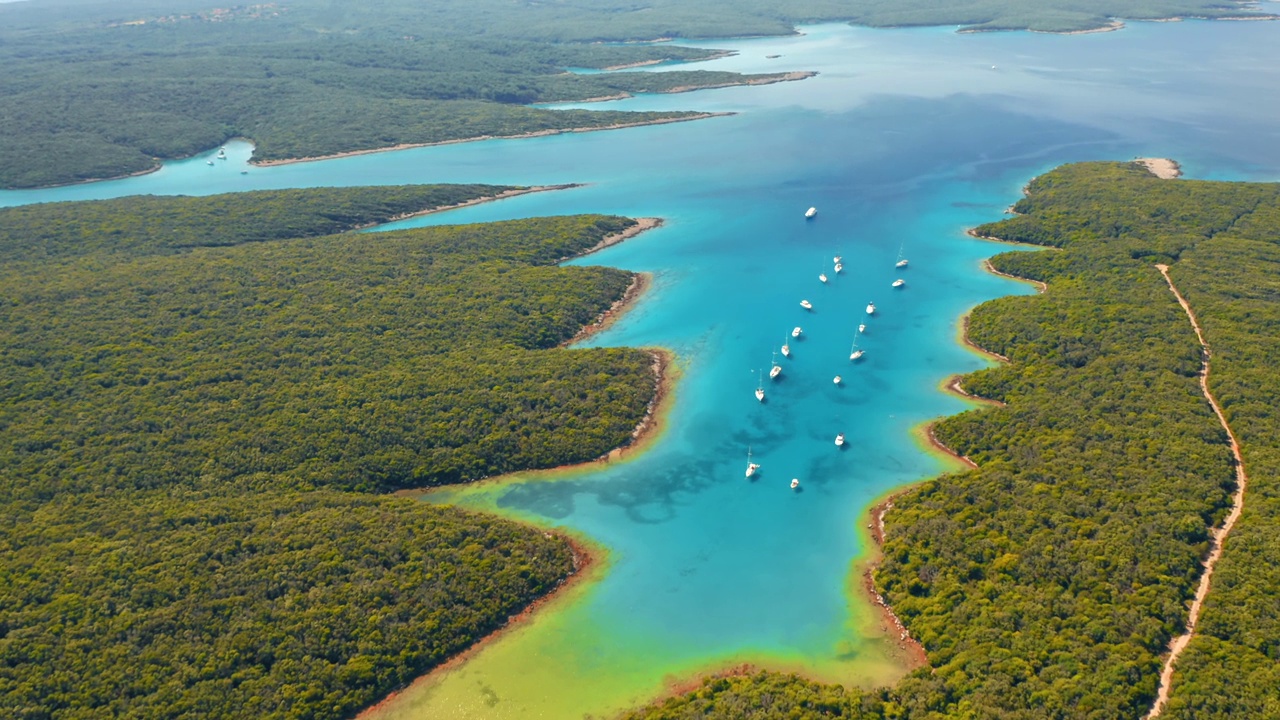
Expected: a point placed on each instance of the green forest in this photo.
(1048, 582)
(197, 396)
(94, 89)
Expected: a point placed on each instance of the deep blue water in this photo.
(904, 140)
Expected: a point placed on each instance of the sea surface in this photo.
(905, 139)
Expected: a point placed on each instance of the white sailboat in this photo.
(786, 349)
(871, 308)
(855, 352)
(836, 259)
(795, 331)
(795, 483)
(810, 212)
(839, 268)
(840, 440)
(862, 328)
(806, 304)
(776, 370)
(838, 380)
(760, 387)
(822, 277)
(902, 262)
(751, 467)
(899, 283)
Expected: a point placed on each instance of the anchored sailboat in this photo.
(760, 387)
(776, 370)
(751, 467)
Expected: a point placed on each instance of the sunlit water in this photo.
(905, 139)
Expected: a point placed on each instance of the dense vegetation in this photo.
(1048, 582)
(187, 385)
(94, 89)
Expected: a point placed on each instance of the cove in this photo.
(906, 138)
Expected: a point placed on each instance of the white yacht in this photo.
(839, 268)
(836, 259)
(871, 308)
(751, 467)
(855, 352)
(806, 304)
(795, 483)
(822, 277)
(838, 380)
(786, 349)
(902, 262)
(776, 370)
(208, 162)
(862, 328)
(899, 283)
(811, 212)
(840, 440)
(795, 332)
(760, 388)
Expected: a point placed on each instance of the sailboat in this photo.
(838, 380)
(806, 304)
(760, 387)
(840, 440)
(795, 483)
(902, 262)
(871, 308)
(822, 277)
(810, 212)
(839, 268)
(899, 283)
(751, 467)
(795, 331)
(855, 352)
(836, 259)
(776, 370)
(786, 349)
(862, 328)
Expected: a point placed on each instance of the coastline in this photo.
(915, 654)
(475, 201)
(588, 561)
(780, 78)
(478, 138)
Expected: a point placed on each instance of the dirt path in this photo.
(1217, 535)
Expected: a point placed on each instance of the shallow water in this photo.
(906, 138)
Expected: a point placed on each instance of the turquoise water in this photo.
(905, 139)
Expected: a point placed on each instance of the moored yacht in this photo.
(751, 467)
(871, 308)
(795, 483)
(786, 349)
(840, 440)
(806, 304)
(899, 283)
(838, 380)
(822, 277)
(776, 370)
(839, 267)
(862, 328)
(760, 388)
(811, 212)
(795, 332)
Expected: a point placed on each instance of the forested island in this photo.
(1049, 581)
(197, 397)
(96, 90)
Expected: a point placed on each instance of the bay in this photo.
(905, 139)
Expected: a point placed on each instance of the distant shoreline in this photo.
(479, 138)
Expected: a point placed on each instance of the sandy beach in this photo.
(1163, 168)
